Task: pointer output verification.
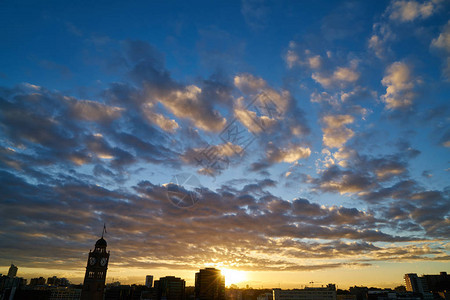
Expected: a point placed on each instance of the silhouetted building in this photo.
(427, 285)
(209, 285)
(149, 281)
(438, 283)
(170, 288)
(12, 272)
(389, 294)
(359, 291)
(309, 293)
(415, 283)
(37, 281)
(10, 285)
(266, 296)
(65, 293)
(55, 281)
(31, 294)
(127, 292)
(95, 277)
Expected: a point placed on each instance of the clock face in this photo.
(103, 261)
(92, 261)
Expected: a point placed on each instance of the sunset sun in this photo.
(233, 276)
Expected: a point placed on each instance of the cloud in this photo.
(255, 13)
(382, 34)
(443, 40)
(407, 11)
(289, 155)
(246, 240)
(347, 171)
(335, 134)
(377, 45)
(248, 83)
(187, 103)
(352, 101)
(442, 43)
(334, 179)
(399, 84)
(341, 75)
(93, 111)
(252, 121)
(292, 58)
(268, 110)
(308, 59)
(212, 159)
(385, 170)
(160, 120)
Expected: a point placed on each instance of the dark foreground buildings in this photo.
(209, 284)
(170, 288)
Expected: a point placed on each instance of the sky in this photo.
(292, 141)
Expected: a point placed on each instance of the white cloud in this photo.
(187, 103)
(405, 11)
(160, 120)
(315, 62)
(252, 121)
(335, 134)
(289, 155)
(399, 85)
(443, 40)
(292, 58)
(324, 97)
(248, 83)
(340, 76)
(376, 45)
(270, 103)
(307, 59)
(442, 43)
(382, 34)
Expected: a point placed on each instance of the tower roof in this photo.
(101, 243)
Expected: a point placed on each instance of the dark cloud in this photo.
(219, 226)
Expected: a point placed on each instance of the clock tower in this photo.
(95, 277)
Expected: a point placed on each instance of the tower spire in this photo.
(104, 229)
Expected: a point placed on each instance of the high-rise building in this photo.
(149, 281)
(427, 283)
(209, 284)
(170, 288)
(415, 283)
(12, 272)
(95, 276)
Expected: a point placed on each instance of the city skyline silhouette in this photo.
(282, 142)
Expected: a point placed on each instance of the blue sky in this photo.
(341, 164)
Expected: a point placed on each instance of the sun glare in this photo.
(233, 276)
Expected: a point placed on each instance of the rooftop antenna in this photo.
(104, 229)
